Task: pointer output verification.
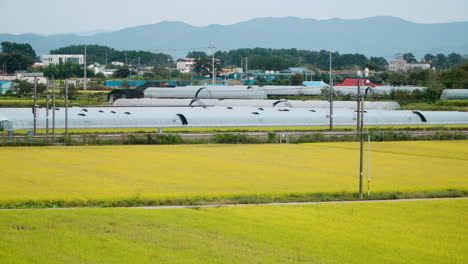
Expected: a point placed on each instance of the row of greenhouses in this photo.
(262, 92)
(170, 117)
(156, 102)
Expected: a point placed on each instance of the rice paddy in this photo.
(382, 232)
(191, 171)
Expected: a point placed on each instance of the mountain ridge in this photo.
(382, 36)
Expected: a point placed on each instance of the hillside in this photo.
(375, 36)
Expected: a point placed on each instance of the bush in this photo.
(234, 139)
(453, 103)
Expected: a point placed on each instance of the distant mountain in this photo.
(375, 36)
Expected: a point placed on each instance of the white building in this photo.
(117, 63)
(400, 65)
(62, 58)
(185, 65)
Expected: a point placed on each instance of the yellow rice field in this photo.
(150, 171)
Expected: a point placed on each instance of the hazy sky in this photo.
(63, 16)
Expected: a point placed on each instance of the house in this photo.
(97, 68)
(354, 82)
(62, 58)
(400, 65)
(185, 65)
(117, 63)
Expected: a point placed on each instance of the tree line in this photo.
(280, 59)
(104, 54)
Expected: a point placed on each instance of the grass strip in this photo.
(232, 199)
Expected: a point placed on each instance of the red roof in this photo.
(354, 82)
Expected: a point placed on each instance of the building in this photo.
(400, 65)
(297, 71)
(62, 58)
(185, 65)
(117, 63)
(354, 82)
(5, 86)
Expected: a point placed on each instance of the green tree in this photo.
(203, 66)
(428, 58)
(98, 53)
(454, 59)
(66, 70)
(409, 57)
(161, 73)
(297, 79)
(196, 54)
(15, 61)
(24, 87)
(19, 48)
(440, 62)
(456, 77)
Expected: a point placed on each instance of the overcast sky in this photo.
(64, 16)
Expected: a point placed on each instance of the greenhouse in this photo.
(377, 90)
(251, 103)
(206, 92)
(454, 94)
(163, 117)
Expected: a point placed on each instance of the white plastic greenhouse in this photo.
(206, 92)
(162, 117)
(377, 90)
(252, 103)
(454, 94)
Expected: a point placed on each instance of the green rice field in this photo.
(378, 232)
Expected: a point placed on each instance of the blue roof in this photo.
(314, 83)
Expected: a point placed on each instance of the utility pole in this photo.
(138, 62)
(106, 60)
(361, 134)
(34, 106)
(84, 74)
(126, 58)
(213, 65)
(66, 110)
(53, 109)
(358, 98)
(368, 165)
(331, 94)
(47, 110)
(246, 64)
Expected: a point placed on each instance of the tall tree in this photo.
(297, 79)
(20, 48)
(409, 57)
(203, 66)
(15, 61)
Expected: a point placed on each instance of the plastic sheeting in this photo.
(152, 117)
(377, 90)
(252, 103)
(206, 92)
(454, 94)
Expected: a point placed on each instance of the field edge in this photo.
(198, 200)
